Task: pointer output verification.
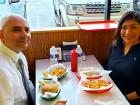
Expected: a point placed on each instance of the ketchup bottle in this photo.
(74, 61)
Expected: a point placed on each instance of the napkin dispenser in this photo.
(66, 52)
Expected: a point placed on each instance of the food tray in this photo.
(102, 89)
(52, 68)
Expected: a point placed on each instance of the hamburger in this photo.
(50, 87)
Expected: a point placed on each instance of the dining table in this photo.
(70, 86)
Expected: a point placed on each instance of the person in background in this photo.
(15, 36)
(124, 59)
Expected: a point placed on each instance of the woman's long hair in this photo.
(127, 16)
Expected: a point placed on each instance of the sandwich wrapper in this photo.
(50, 95)
(98, 72)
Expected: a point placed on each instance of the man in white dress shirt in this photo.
(15, 36)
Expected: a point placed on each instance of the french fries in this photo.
(55, 72)
(95, 84)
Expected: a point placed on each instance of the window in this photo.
(13, 1)
(137, 5)
(118, 8)
(2, 1)
(53, 13)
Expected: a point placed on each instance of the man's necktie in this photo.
(25, 83)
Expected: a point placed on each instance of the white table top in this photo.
(70, 87)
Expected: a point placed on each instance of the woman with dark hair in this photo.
(124, 59)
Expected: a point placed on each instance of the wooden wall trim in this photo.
(55, 29)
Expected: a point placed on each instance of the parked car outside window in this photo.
(71, 12)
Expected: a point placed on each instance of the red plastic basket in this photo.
(100, 90)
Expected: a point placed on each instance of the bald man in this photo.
(15, 37)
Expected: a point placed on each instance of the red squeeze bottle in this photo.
(74, 60)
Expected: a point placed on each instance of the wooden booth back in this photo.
(92, 42)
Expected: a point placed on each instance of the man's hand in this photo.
(60, 102)
(132, 96)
